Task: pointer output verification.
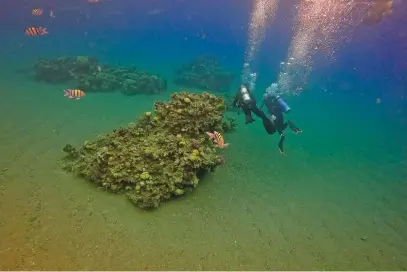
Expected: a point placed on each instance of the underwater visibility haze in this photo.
(203, 135)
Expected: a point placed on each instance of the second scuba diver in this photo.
(244, 99)
(276, 107)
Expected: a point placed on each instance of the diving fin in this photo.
(280, 143)
(294, 127)
(249, 119)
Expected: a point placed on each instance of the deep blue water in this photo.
(373, 60)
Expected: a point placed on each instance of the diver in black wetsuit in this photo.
(276, 107)
(244, 99)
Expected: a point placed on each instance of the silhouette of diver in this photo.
(276, 107)
(244, 99)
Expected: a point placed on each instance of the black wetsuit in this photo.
(249, 107)
(274, 108)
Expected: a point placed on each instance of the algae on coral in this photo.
(159, 157)
(86, 74)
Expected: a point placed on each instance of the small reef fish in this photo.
(94, 1)
(74, 93)
(37, 12)
(218, 139)
(51, 14)
(36, 31)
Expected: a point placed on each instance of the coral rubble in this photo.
(161, 156)
(204, 73)
(88, 76)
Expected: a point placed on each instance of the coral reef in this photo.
(162, 155)
(64, 69)
(229, 124)
(204, 73)
(88, 76)
(129, 81)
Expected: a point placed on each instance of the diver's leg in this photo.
(268, 125)
(280, 126)
(293, 127)
(281, 143)
(248, 114)
(258, 112)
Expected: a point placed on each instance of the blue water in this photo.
(335, 201)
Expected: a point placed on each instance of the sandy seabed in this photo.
(336, 201)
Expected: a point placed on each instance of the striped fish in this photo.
(36, 31)
(37, 12)
(74, 93)
(218, 139)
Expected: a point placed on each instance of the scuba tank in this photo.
(244, 92)
(283, 104)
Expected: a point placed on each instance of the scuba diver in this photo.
(244, 99)
(276, 107)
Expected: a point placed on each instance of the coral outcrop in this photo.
(204, 73)
(161, 156)
(64, 69)
(86, 74)
(129, 81)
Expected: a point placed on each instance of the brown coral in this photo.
(160, 156)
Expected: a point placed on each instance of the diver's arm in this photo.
(250, 93)
(251, 96)
(236, 100)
